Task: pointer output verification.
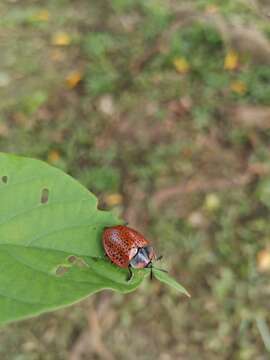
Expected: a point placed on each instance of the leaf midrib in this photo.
(59, 251)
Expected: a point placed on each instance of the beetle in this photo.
(127, 248)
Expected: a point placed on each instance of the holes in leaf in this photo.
(72, 259)
(4, 179)
(75, 260)
(61, 270)
(44, 196)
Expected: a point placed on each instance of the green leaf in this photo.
(164, 277)
(50, 241)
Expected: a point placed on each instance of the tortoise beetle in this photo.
(127, 248)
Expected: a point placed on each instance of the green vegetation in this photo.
(57, 254)
(162, 110)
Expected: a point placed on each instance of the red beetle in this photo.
(127, 248)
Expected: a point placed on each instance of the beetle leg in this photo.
(159, 257)
(151, 273)
(130, 273)
(150, 266)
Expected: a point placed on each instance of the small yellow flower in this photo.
(61, 39)
(212, 202)
(113, 199)
(42, 15)
(181, 64)
(53, 156)
(263, 260)
(231, 61)
(73, 79)
(238, 87)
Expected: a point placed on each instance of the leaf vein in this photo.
(40, 206)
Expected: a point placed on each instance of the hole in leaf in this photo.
(72, 259)
(44, 196)
(4, 179)
(61, 270)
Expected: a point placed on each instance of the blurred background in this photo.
(162, 109)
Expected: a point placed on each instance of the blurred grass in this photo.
(155, 124)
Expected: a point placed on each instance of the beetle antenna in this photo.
(158, 268)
